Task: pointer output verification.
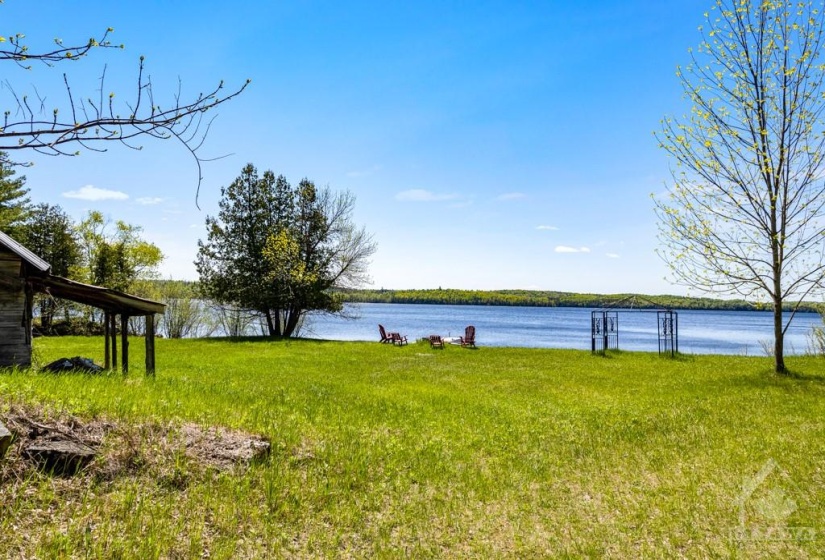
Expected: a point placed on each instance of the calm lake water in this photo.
(700, 332)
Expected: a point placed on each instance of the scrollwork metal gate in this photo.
(604, 331)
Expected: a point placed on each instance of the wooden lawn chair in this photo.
(398, 338)
(436, 342)
(385, 338)
(469, 338)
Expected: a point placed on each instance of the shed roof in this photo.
(59, 287)
(23, 253)
(97, 296)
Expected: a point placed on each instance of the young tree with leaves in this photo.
(746, 212)
(114, 255)
(280, 250)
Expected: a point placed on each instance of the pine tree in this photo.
(14, 204)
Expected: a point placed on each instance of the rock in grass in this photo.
(61, 457)
(77, 363)
(5, 440)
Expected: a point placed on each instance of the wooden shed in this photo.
(22, 274)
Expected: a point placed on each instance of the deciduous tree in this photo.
(746, 212)
(115, 255)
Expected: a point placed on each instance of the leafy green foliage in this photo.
(49, 233)
(540, 298)
(278, 250)
(114, 259)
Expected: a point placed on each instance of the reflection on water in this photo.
(700, 332)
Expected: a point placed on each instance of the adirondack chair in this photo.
(385, 338)
(469, 338)
(436, 342)
(398, 338)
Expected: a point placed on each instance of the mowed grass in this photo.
(379, 451)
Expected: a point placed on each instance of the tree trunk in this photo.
(269, 324)
(291, 322)
(779, 337)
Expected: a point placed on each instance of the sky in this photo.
(489, 144)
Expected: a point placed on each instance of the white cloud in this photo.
(511, 196)
(421, 195)
(93, 193)
(613, 256)
(548, 228)
(149, 200)
(566, 249)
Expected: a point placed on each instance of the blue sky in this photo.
(490, 145)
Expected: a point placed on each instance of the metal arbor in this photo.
(604, 325)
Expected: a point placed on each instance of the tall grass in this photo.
(387, 451)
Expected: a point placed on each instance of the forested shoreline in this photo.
(540, 298)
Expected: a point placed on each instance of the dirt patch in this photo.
(166, 451)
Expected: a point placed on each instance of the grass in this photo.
(380, 451)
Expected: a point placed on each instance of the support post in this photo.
(150, 345)
(107, 357)
(113, 339)
(124, 343)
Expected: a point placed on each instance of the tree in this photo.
(14, 204)
(89, 122)
(280, 250)
(115, 259)
(746, 212)
(49, 233)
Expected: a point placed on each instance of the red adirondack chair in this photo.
(398, 338)
(385, 338)
(436, 342)
(469, 338)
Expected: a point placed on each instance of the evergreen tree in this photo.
(279, 250)
(14, 204)
(49, 233)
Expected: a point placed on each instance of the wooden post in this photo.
(124, 343)
(107, 357)
(113, 338)
(150, 344)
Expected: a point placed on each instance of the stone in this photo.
(60, 457)
(5, 440)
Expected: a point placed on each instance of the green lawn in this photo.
(386, 451)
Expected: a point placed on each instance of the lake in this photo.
(700, 332)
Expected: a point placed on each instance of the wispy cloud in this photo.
(511, 196)
(149, 200)
(613, 256)
(547, 228)
(93, 193)
(566, 249)
(422, 195)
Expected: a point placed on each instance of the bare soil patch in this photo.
(124, 449)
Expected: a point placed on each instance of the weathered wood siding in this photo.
(15, 335)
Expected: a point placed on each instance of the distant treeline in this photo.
(535, 298)
(532, 298)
